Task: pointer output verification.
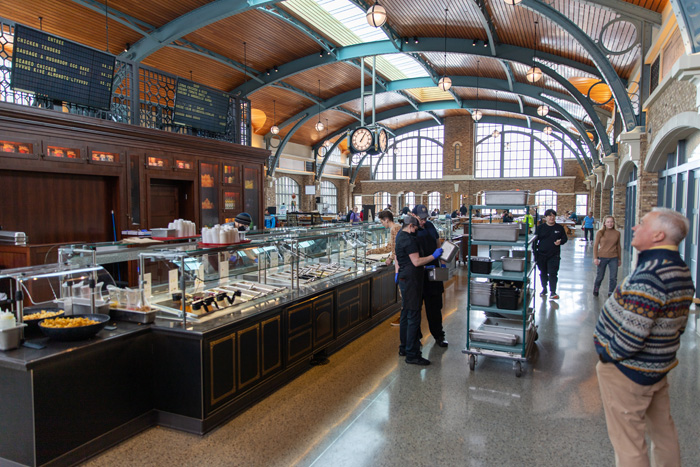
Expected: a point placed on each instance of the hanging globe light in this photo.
(512, 2)
(496, 134)
(327, 143)
(376, 15)
(319, 126)
(542, 110)
(477, 115)
(274, 129)
(548, 130)
(534, 74)
(445, 83)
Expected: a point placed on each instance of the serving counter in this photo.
(68, 401)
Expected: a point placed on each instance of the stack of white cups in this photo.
(183, 228)
(220, 234)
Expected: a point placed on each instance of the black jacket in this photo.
(546, 236)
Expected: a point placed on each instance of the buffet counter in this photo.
(69, 401)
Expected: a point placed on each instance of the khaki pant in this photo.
(630, 410)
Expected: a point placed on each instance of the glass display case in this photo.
(191, 284)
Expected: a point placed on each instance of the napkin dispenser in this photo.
(13, 238)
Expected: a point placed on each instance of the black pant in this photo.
(588, 231)
(409, 323)
(549, 268)
(433, 312)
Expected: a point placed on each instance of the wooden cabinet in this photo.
(209, 194)
(19, 147)
(383, 291)
(310, 325)
(353, 306)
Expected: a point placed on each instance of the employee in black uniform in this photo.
(409, 276)
(550, 237)
(429, 240)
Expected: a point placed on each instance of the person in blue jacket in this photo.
(588, 223)
(269, 220)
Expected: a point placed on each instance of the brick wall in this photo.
(679, 96)
(459, 130)
(647, 183)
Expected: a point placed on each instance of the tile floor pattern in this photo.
(369, 408)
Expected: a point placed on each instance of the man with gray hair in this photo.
(637, 336)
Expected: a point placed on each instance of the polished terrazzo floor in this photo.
(369, 408)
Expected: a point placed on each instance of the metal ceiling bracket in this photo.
(686, 12)
(609, 75)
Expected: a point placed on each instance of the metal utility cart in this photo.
(506, 333)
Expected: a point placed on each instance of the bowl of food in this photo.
(32, 317)
(73, 328)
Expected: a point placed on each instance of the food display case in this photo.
(197, 285)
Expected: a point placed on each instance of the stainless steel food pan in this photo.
(496, 232)
(513, 264)
(505, 197)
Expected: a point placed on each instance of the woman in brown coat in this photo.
(607, 252)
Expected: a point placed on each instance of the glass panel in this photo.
(232, 200)
(135, 193)
(99, 156)
(16, 147)
(232, 175)
(61, 152)
(251, 191)
(209, 194)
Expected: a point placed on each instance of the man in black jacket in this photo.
(550, 237)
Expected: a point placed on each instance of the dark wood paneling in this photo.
(299, 345)
(271, 344)
(299, 317)
(249, 360)
(16, 425)
(323, 319)
(222, 368)
(54, 207)
(177, 375)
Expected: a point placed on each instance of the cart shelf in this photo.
(498, 273)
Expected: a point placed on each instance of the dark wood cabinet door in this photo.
(249, 360)
(222, 369)
(323, 319)
(271, 345)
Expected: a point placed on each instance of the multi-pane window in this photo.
(385, 169)
(381, 200)
(546, 199)
(542, 162)
(515, 153)
(434, 201)
(285, 187)
(413, 156)
(409, 200)
(329, 195)
(581, 205)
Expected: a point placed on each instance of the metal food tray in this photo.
(505, 197)
(133, 316)
(493, 337)
(513, 264)
(496, 232)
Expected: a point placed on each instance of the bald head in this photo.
(674, 224)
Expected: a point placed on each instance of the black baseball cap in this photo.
(421, 211)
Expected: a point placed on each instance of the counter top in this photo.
(25, 358)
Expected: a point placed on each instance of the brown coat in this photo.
(608, 245)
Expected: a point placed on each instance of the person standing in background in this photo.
(507, 218)
(588, 223)
(269, 220)
(637, 336)
(409, 276)
(387, 220)
(355, 216)
(463, 210)
(429, 240)
(550, 237)
(607, 252)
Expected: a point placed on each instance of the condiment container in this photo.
(10, 338)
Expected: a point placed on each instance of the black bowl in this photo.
(33, 324)
(79, 333)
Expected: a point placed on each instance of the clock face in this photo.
(361, 139)
(383, 140)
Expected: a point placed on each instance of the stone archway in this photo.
(675, 129)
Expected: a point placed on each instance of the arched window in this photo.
(458, 153)
(517, 152)
(545, 199)
(434, 201)
(414, 155)
(329, 196)
(285, 187)
(381, 200)
(409, 200)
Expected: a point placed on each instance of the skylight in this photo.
(345, 22)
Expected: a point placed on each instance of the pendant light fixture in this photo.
(319, 126)
(477, 114)
(274, 129)
(376, 15)
(512, 2)
(496, 133)
(548, 130)
(534, 73)
(445, 82)
(327, 143)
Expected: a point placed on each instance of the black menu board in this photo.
(200, 107)
(61, 69)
